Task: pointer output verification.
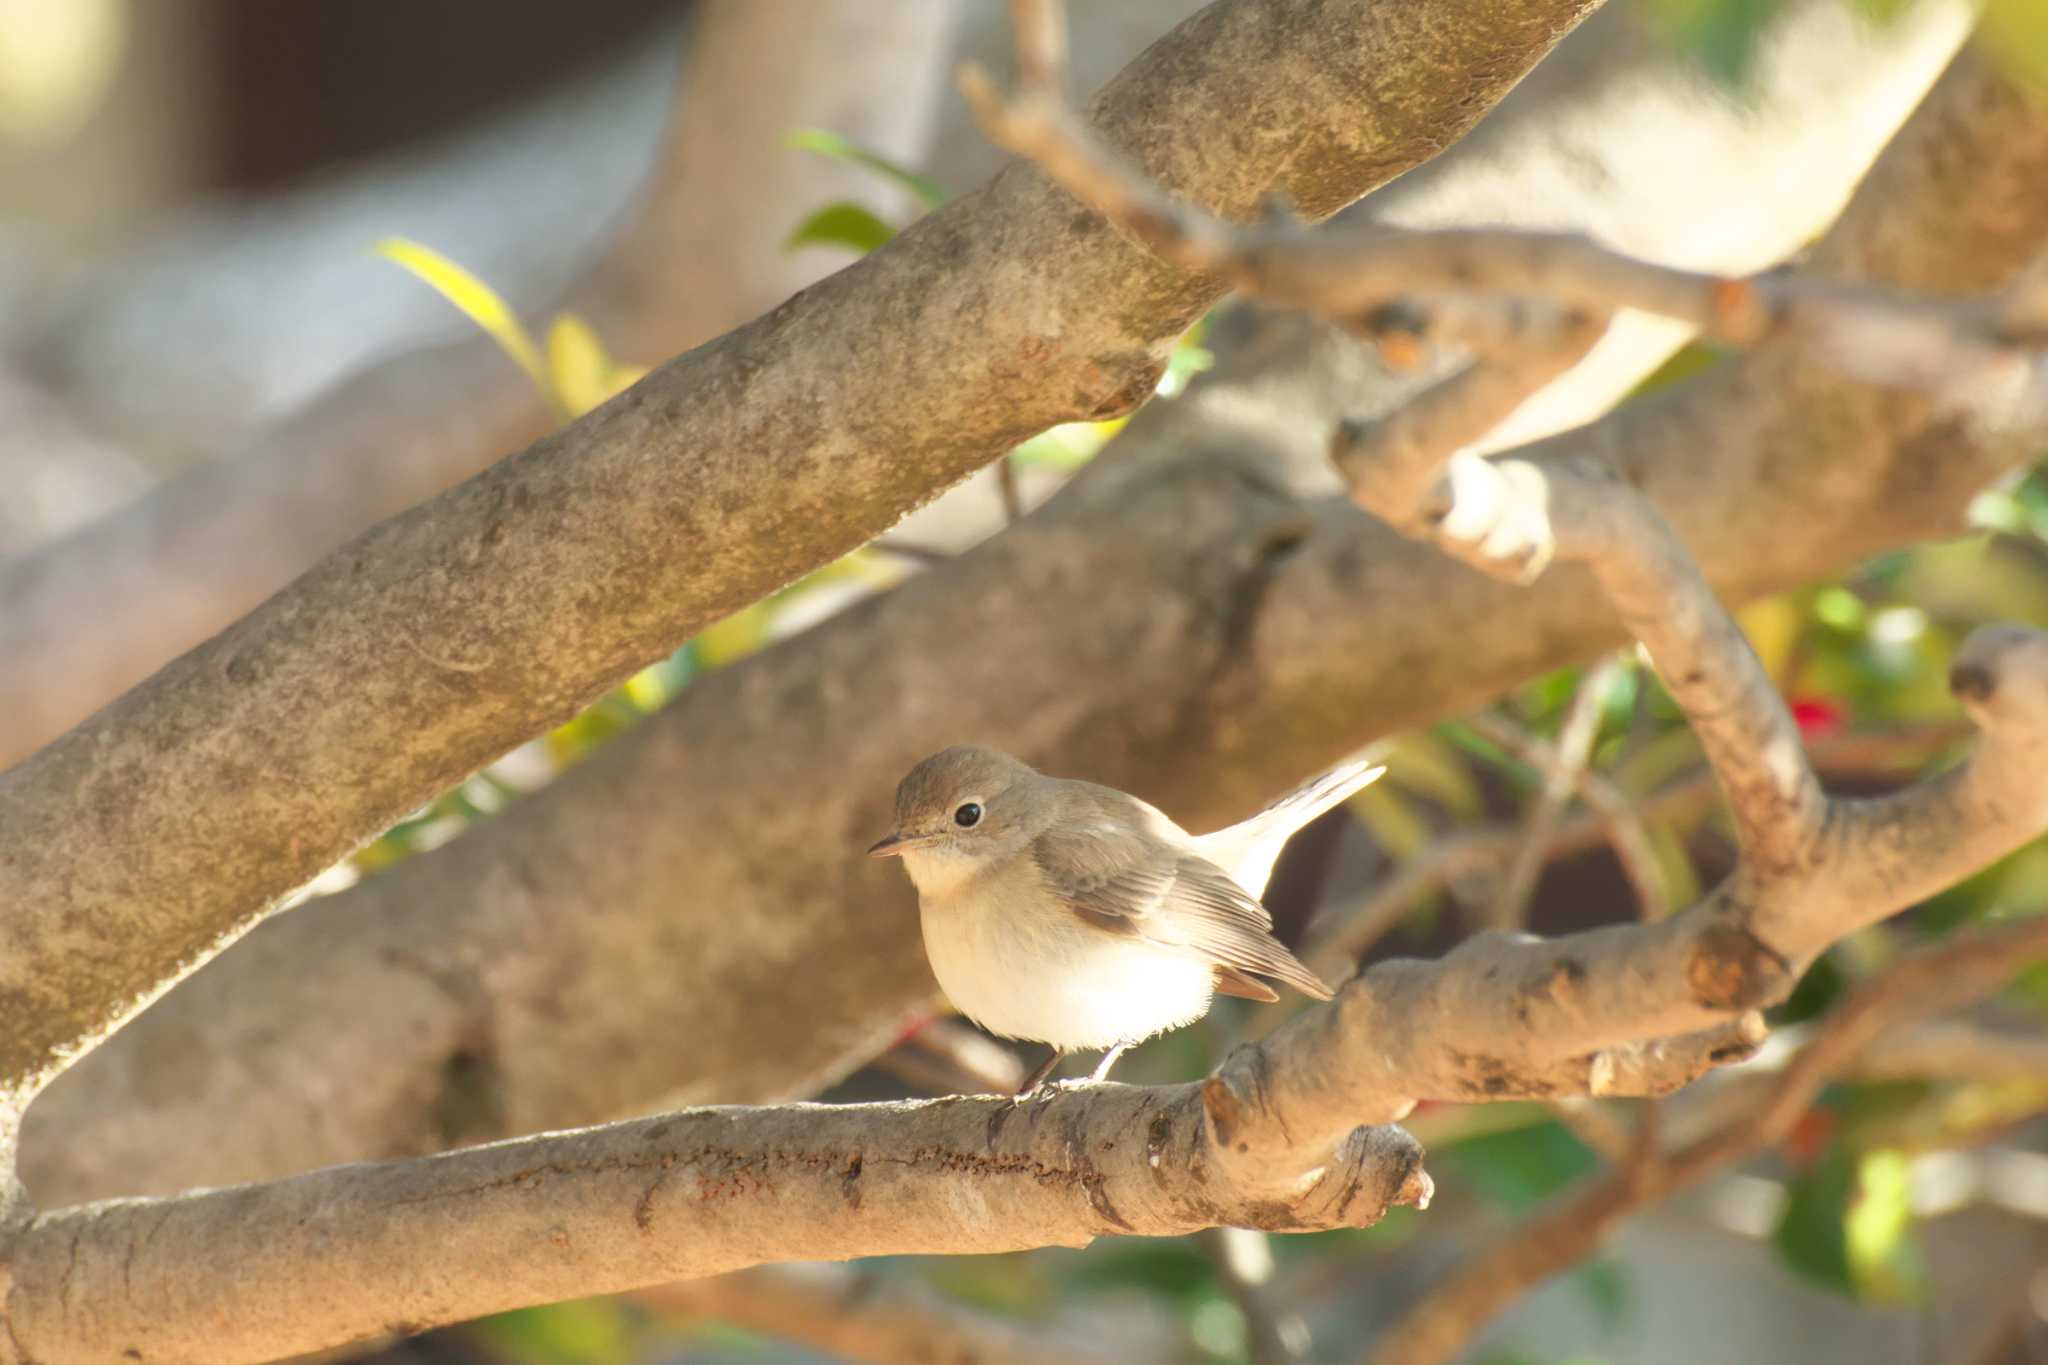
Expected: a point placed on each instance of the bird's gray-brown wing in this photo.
(1128, 882)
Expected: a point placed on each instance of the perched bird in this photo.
(1072, 914)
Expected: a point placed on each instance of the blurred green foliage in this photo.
(1724, 36)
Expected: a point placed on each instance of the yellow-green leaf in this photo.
(621, 378)
(579, 371)
(929, 192)
(841, 224)
(1424, 762)
(478, 302)
(1773, 625)
(735, 637)
(1884, 1261)
(2015, 35)
(1394, 821)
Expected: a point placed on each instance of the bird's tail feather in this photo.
(1248, 849)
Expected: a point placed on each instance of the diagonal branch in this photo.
(86, 618)
(1353, 276)
(217, 1276)
(472, 621)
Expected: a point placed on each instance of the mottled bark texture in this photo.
(673, 888)
(143, 840)
(222, 1276)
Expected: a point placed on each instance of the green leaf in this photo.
(1810, 1232)
(579, 371)
(1885, 1262)
(842, 224)
(1394, 821)
(1173, 1269)
(1523, 1168)
(1424, 761)
(1721, 35)
(1883, 12)
(1693, 358)
(1815, 994)
(1606, 1289)
(479, 303)
(584, 1333)
(929, 192)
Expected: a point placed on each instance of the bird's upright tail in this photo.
(1247, 850)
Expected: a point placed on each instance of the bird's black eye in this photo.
(968, 816)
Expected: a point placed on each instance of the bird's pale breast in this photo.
(1022, 966)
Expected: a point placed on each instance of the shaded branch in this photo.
(1339, 936)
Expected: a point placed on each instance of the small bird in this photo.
(1069, 913)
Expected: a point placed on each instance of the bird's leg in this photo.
(1108, 1060)
(1045, 1069)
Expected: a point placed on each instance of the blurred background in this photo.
(193, 194)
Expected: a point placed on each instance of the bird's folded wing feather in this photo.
(1127, 883)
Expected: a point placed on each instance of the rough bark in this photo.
(175, 817)
(221, 1276)
(671, 888)
(1271, 1141)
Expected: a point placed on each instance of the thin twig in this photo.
(1244, 1263)
(856, 1315)
(1563, 766)
(1012, 495)
(946, 1057)
(1622, 816)
(904, 549)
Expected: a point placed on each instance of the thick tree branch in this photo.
(1512, 288)
(216, 1276)
(476, 619)
(1271, 1141)
(92, 615)
(1234, 655)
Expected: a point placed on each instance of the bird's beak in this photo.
(895, 845)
